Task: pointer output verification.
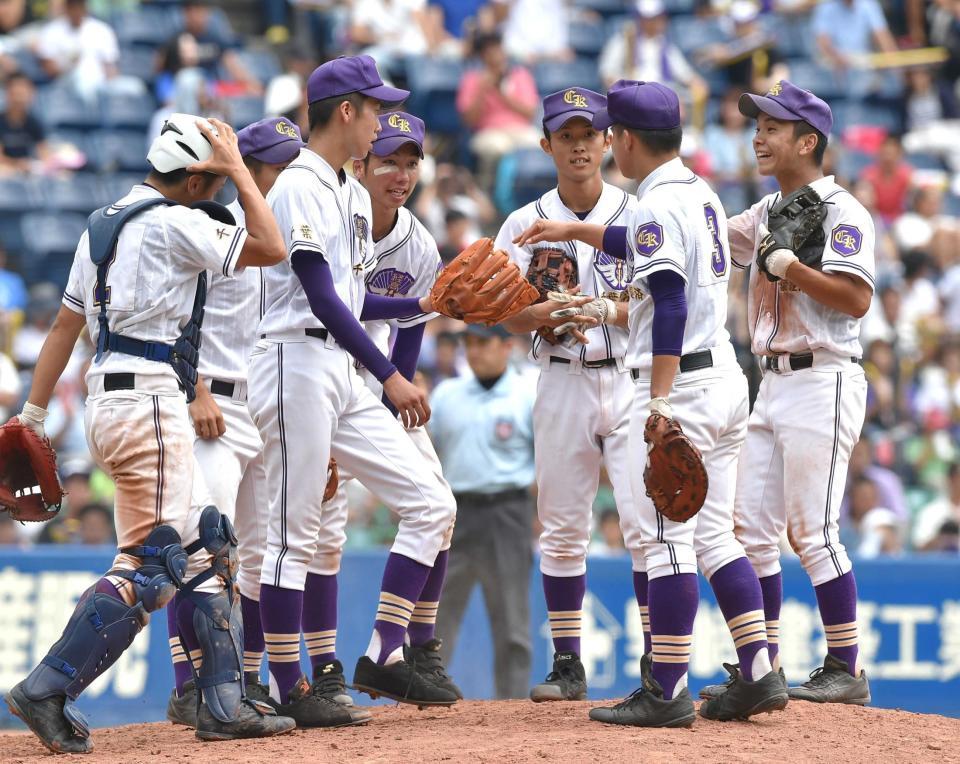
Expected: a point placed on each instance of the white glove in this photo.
(662, 407)
(602, 309)
(33, 417)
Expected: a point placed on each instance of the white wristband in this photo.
(779, 260)
(662, 407)
(34, 413)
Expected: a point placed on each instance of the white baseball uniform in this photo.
(306, 396)
(679, 225)
(406, 264)
(232, 464)
(582, 409)
(805, 422)
(136, 415)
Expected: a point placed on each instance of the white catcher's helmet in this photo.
(180, 144)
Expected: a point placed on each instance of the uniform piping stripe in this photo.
(237, 235)
(156, 424)
(283, 469)
(689, 181)
(833, 467)
(396, 247)
(852, 267)
(660, 261)
(330, 188)
(71, 299)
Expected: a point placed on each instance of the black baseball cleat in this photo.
(311, 706)
(833, 683)
(400, 681)
(182, 709)
(713, 690)
(46, 720)
(567, 681)
(255, 690)
(646, 706)
(743, 699)
(329, 681)
(253, 720)
(426, 660)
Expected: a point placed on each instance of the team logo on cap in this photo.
(399, 123)
(846, 240)
(611, 270)
(390, 283)
(649, 238)
(285, 128)
(574, 98)
(776, 90)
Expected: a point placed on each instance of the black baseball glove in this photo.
(795, 223)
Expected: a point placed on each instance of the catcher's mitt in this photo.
(30, 488)
(333, 480)
(795, 223)
(675, 476)
(481, 285)
(551, 269)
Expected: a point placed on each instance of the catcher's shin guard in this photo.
(217, 619)
(102, 626)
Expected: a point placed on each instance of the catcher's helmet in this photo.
(180, 144)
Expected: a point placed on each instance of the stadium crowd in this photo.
(86, 85)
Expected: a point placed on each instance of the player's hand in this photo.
(33, 417)
(206, 415)
(225, 159)
(544, 230)
(410, 401)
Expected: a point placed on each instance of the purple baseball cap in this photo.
(274, 141)
(396, 129)
(351, 74)
(640, 105)
(562, 106)
(788, 102)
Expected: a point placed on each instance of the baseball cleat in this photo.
(254, 689)
(311, 706)
(329, 680)
(46, 720)
(426, 660)
(182, 709)
(253, 720)
(646, 706)
(567, 681)
(400, 681)
(832, 683)
(743, 699)
(713, 690)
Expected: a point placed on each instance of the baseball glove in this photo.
(795, 223)
(30, 488)
(481, 286)
(675, 476)
(552, 270)
(333, 480)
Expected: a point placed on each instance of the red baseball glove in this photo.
(30, 488)
(675, 476)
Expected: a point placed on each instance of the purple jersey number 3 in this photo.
(719, 260)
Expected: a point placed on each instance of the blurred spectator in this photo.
(923, 104)
(929, 453)
(390, 30)
(749, 60)
(482, 427)
(9, 528)
(919, 301)
(888, 486)
(949, 288)
(886, 258)
(890, 178)
(446, 361)
(22, 135)
(926, 227)
(846, 29)
(729, 145)
(454, 188)
(13, 290)
(286, 93)
(938, 383)
(885, 403)
(642, 51)
(935, 526)
(462, 18)
(456, 236)
(80, 48)
(535, 30)
(497, 102)
(609, 540)
(42, 306)
(875, 531)
(10, 387)
(65, 527)
(95, 525)
(945, 31)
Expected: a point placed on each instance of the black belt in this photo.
(586, 364)
(124, 381)
(472, 497)
(702, 359)
(320, 334)
(797, 361)
(222, 387)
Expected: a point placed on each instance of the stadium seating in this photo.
(522, 177)
(556, 75)
(50, 240)
(150, 26)
(587, 37)
(433, 84)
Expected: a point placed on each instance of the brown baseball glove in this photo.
(675, 476)
(333, 480)
(30, 488)
(552, 269)
(481, 286)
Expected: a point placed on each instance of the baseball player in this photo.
(804, 325)
(406, 264)
(138, 284)
(585, 391)
(683, 365)
(308, 401)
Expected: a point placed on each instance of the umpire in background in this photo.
(482, 428)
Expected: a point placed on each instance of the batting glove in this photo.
(33, 417)
(602, 309)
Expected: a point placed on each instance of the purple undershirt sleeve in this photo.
(317, 280)
(406, 353)
(615, 241)
(669, 296)
(377, 306)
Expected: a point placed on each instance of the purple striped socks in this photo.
(253, 645)
(403, 581)
(673, 606)
(424, 619)
(280, 611)
(640, 588)
(741, 601)
(319, 620)
(837, 600)
(772, 589)
(564, 596)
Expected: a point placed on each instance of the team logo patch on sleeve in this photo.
(613, 271)
(846, 240)
(649, 238)
(390, 282)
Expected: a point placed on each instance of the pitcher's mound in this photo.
(521, 731)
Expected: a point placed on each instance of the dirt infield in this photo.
(519, 731)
